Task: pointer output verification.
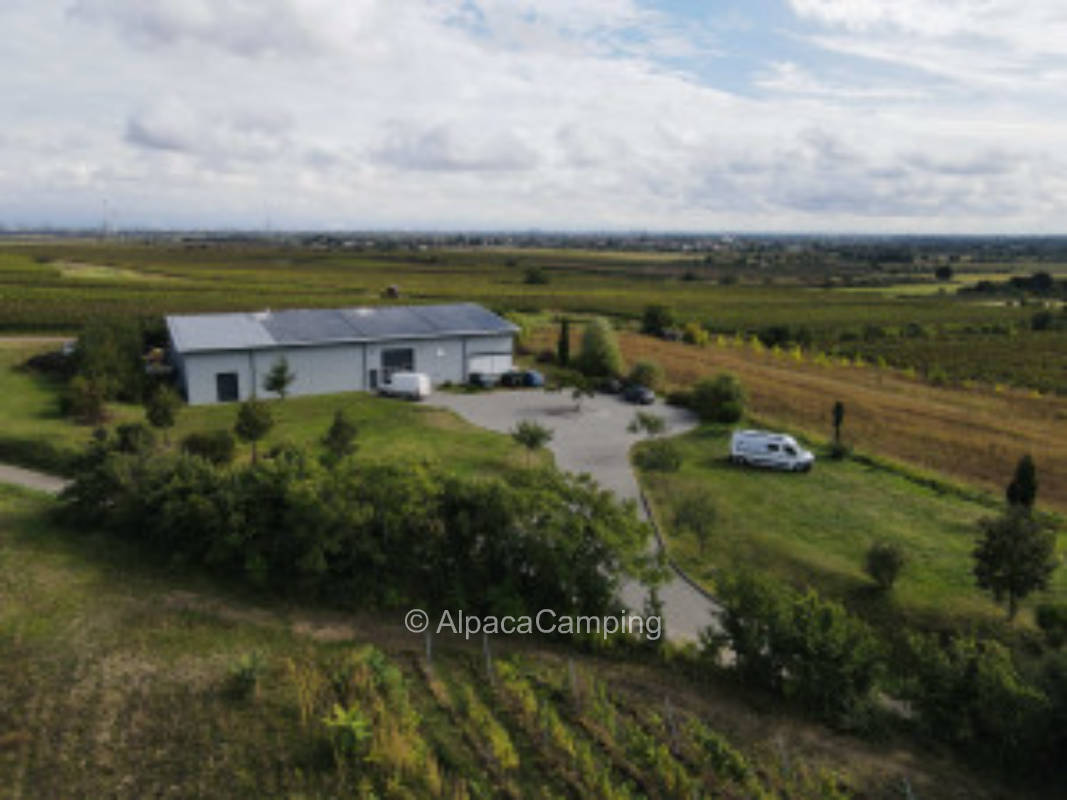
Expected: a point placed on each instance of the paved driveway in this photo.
(30, 479)
(594, 440)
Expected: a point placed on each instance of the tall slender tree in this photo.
(563, 346)
(280, 378)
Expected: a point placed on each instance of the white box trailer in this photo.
(769, 449)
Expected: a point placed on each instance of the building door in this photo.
(226, 387)
(374, 379)
(397, 359)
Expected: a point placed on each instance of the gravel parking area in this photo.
(593, 440)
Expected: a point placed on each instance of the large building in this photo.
(225, 357)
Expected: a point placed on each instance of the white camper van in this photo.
(767, 449)
(412, 385)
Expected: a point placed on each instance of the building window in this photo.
(226, 386)
(399, 359)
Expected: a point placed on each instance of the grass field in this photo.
(119, 680)
(814, 530)
(975, 435)
(34, 433)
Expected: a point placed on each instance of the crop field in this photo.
(120, 680)
(58, 286)
(813, 530)
(974, 435)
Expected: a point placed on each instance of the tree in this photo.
(1022, 491)
(279, 378)
(719, 399)
(1016, 556)
(532, 436)
(656, 320)
(884, 562)
(216, 447)
(85, 399)
(340, 438)
(696, 514)
(254, 421)
(581, 387)
(649, 424)
(646, 373)
(599, 355)
(839, 417)
(161, 409)
(563, 347)
(943, 273)
(695, 333)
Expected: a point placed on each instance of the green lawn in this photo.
(34, 433)
(814, 529)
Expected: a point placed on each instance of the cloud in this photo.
(450, 148)
(791, 78)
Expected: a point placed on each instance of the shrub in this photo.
(535, 276)
(884, 562)
(646, 373)
(656, 320)
(1052, 620)
(243, 679)
(659, 456)
(135, 438)
(679, 398)
(839, 451)
(546, 357)
(694, 333)
(216, 447)
(719, 399)
(84, 400)
(599, 355)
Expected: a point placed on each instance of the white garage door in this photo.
(489, 364)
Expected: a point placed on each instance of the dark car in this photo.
(513, 379)
(611, 386)
(532, 377)
(641, 395)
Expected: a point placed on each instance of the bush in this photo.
(659, 456)
(656, 320)
(243, 679)
(1052, 620)
(884, 562)
(135, 438)
(84, 400)
(680, 398)
(546, 357)
(839, 451)
(599, 355)
(799, 646)
(646, 373)
(719, 399)
(216, 447)
(694, 333)
(535, 276)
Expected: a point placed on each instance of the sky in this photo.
(868, 116)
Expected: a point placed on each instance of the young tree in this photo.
(340, 438)
(839, 417)
(1016, 556)
(279, 378)
(656, 320)
(254, 421)
(696, 514)
(1022, 491)
(563, 346)
(161, 409)
(647, 423)
(599, 355)
(532, 436)
(719, 399)
(884, 562)
(581, 387)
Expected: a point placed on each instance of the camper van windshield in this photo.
(790, 450)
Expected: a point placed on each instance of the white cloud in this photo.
(497, 113)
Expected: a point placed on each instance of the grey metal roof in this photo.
(301, 327)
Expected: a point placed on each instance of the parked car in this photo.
(483, 380)
(412, 385)
(641, 395)
(768, 449)
(533, 378)
(513, 379)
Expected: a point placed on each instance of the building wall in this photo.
(333, 368)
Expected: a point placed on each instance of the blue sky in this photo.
(882, 116)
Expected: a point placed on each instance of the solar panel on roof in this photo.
(308, 326)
